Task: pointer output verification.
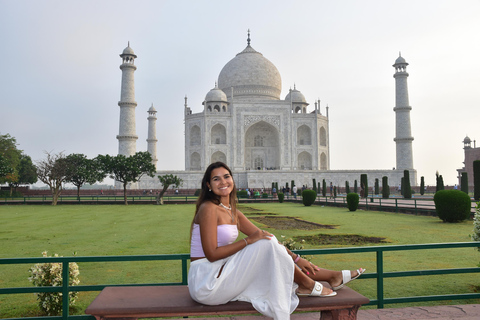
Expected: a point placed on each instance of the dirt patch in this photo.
(254, 211)
(288, 223)
(342, 239)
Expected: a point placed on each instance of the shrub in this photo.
(324, 188)
(314, 185)
(385, 188)
(281, 196)
(452, 205)
(476, 225)
(299, 192)
(476, 179)
(355, 186)
(352, 201)
(197, 192)
(347, 187)
(464, 182)
(364, 185)
(377, 187)
(422, 185)
(407, 189)
(309, 197)
(264, 195)
(50, 275)
(242, 194)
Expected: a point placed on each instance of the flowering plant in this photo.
(291, 245)
(50, 275)
(476, 224)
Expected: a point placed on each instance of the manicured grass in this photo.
(98, 230)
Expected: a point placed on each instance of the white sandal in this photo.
(317, 292)
(347, 277)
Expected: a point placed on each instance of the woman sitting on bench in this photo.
(256, 269)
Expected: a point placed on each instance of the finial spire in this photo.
(399, 53)
(128, 43)
(248, 38)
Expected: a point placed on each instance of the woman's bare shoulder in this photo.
(207, 209)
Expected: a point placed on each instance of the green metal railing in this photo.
(379, 275)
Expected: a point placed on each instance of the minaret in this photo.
(403, 132)
(152, 134)
(127, 138)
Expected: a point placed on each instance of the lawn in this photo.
(98, 230)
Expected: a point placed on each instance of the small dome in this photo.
(400, 60)
(467, 140)
(152, 109)
(296, 96)
(128, 52)
(216, 95)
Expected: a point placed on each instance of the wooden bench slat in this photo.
(174, 301)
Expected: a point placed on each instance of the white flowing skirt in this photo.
(261, 273)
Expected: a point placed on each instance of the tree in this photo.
(4, 167)
(355, 186)
(347, 187)
(476, 180)
(166, 181)
(407, 189)
(127, 169)
(82, 170)
(27, 172)
(377, 186)
(464, 182)
(53, 172)
(422, 185)
(385, 188)
(439, 180)
(364, 185)
(10, 159)
(324, 188)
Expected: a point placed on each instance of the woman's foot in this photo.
(317, 290)
(345, 276)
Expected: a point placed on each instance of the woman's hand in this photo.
(307, 267)
(258, 235)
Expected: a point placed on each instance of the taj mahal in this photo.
(263, 138)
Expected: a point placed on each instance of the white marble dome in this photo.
(251, 75)
(128, 50)
(296, 96)
(400, 60)
(216, 95)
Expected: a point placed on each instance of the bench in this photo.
(130, 303)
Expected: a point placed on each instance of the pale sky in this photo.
(60, 77)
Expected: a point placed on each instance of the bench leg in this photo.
(340, 314)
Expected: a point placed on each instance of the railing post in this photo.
(380, 279)
(415, 201)
(396, 205)
(184, 272)
(65, 292)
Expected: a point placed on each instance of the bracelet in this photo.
(297, 258)
(246, 243)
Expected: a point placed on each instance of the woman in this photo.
(256, 269)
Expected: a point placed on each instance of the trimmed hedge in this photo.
(242, 194)
(309, 197)
(281, 196)
(352, 201)
(452, 205)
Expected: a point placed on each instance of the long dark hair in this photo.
(206, 195)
